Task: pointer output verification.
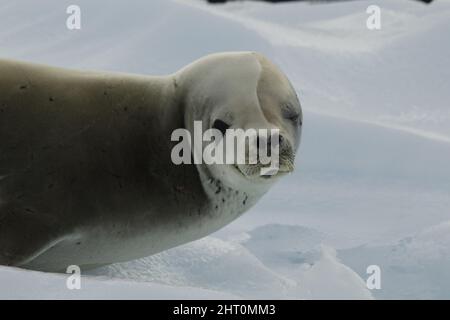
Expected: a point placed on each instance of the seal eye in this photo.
(294, 117)
(291, 115)
(221, 126)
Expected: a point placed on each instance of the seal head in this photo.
(243, 90)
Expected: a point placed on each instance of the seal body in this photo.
(86, 176)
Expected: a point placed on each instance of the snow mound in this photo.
(207, 263)
(298, 253)
(328, 278)
(275, 261)
(416, 267)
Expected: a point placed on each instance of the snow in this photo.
(253, 268)
(20, 284)
(372, 180)
(415, 266)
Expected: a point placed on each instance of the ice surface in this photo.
(23, 284)
(372, 180)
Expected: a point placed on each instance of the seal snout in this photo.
(286, 154)
(265, 145)
(272, 155)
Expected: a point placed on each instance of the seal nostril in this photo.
(221, 126)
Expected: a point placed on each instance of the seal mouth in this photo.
(252, 171)
(285, 164)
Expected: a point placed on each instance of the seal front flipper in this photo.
(24, 235)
